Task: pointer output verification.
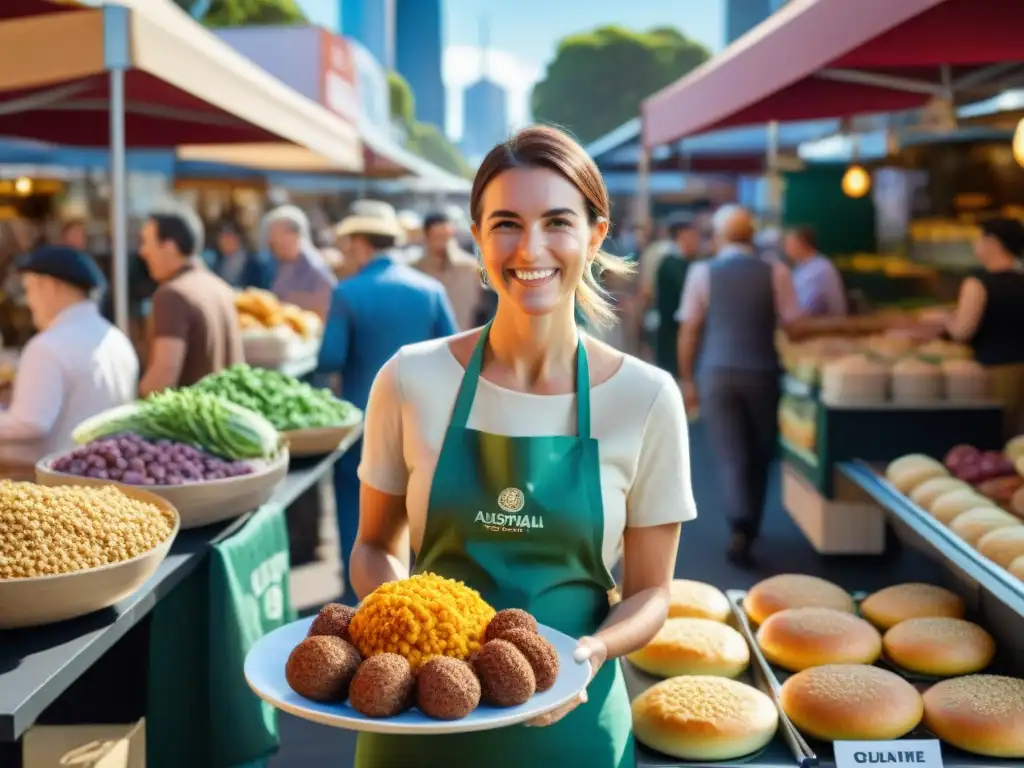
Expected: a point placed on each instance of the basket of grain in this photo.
(72, 550)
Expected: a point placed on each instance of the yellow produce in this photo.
(421, 617)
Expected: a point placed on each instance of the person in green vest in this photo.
(668, 291)
(580, 450)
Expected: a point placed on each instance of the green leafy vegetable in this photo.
(286, 402)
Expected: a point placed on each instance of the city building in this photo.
(371, 23)
(419, 53)
(485, 119)
(741, 16)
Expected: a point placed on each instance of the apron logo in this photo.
(511, 523)
(511, 500)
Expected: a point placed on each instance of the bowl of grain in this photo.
(67, 551)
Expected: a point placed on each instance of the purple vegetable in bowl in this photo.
(133, 460)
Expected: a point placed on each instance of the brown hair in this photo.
(805, 234)
(541, 146)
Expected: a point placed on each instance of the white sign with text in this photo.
(923, 753)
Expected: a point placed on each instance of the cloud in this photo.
(463, 66)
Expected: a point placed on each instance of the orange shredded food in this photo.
(421, 617)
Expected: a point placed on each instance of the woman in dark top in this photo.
(989, 314)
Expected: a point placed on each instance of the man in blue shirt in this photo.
(382, 307)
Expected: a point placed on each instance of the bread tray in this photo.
(40, 600)
(784, 751)
(197, 504)
(822, 750)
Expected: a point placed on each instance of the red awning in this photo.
(182, 84)
(838, 58)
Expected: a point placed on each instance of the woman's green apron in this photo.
(521, 520)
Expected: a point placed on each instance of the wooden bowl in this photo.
(40, 600)
(198, 504)
(318, 441)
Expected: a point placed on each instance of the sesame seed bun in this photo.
(947, 507)
(888, 607)
(939, 646)
(1003, 545)
(794, 590)
(798, 638)
(975, 523)
(908, 472)
(851, 702)
(983, 714)
(704, 718)
(927, 492)
(694, 647)
(697, 600)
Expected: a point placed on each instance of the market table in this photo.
(39, 665)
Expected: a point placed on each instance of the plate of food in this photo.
(342, 669)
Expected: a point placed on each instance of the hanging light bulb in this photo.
(23, 185)
(856, 181)
(1018, 143)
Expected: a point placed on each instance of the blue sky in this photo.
(524, 33)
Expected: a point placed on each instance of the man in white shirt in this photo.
(78, 364)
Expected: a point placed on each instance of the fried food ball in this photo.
(383, 686)
(321, 668)
(46, 530)
(506, 677)
(509, 619)
(420, 617)
(539, 652)
(447, 689)
(333, 619)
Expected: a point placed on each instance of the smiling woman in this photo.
(526, 459)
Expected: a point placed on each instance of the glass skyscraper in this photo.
(419, 56)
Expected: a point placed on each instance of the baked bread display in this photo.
(927, 492)
(983, 714)
(947, 507)
(908, 472)
(798, 638)
(794, 590)
(888, 607)
(697, 600)
(694, 647)
(704, 718)
(851, 702)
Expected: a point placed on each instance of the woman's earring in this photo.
(484, 280)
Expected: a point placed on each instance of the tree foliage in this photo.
(597, 80)
(236, 13)
(423, 139)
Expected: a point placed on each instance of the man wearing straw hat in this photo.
(382, 307)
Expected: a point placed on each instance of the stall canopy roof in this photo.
(836, 58)
(182, 85)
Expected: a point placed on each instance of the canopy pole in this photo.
(642, 212)
(118, 200)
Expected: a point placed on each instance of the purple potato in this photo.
(132, 477)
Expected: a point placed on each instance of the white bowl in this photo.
(40, 600)
(198, 504)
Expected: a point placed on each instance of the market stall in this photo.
(145, 74)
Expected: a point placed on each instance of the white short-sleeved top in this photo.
(636, 415)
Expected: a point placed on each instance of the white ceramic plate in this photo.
(264, 670)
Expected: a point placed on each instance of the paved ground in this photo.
(782, 549)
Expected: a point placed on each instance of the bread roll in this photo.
(927, 492)
(798, 638)
(908, 472)
(940, 647)
(983, 714)
(1003, 545)
(694, 647)
(704, 718)
(851, 702)
(888, 607)
(975, 523)
(794, 590)
(697, 600)
(949, 505)
(1017, 568)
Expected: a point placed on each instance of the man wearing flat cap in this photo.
(383, 307)
(76, 366)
